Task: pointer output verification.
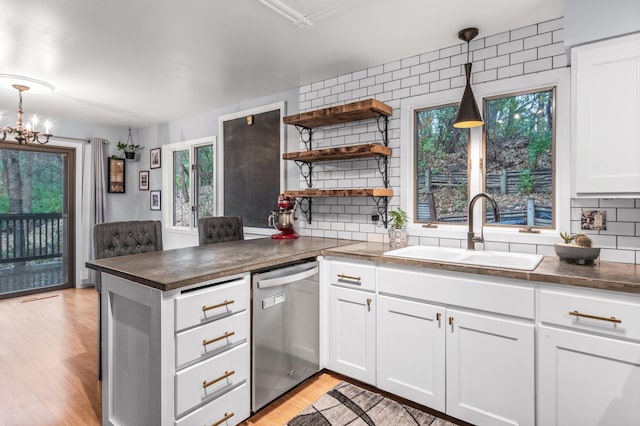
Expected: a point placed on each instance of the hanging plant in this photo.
(129, 148)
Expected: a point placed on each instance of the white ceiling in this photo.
(140, 62)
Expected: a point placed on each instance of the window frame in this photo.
(167, 180)
(455, 234)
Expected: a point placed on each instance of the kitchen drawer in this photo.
(212, 303)
(357, 275)
(491, 294)
(574, 309)
(233, 406)
(211, 338)
(220, 373)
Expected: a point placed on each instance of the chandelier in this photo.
(26, 133)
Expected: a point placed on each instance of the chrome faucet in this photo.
(471, 239)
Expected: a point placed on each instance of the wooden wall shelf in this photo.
(355, 192)
(339, 153)
(360, 110)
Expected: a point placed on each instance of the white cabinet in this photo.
(178, 357)
(439, 347)
(411, 350)
(606, 106)
(352, 333)
(350, 318)
(490, 369)
(589, 358)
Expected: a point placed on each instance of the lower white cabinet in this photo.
(352, 333)
(490, 369)
(588, 380)
(589, 358)
(411, 350)
(476, 367)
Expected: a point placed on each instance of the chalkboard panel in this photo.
(252, 167)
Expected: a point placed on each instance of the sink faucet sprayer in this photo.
(471, 239)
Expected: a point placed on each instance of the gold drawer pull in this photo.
(595, 317)
(348, 277)
(224, 336)
(226, 417)
(219, 305)
(226, 374)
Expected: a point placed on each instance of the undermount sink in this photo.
(496, 259)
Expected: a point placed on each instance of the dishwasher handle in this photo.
(286, 279)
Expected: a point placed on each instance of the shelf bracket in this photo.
(383, 168)
(382, 204)
(306, 171)
(306, 135)
(304, 209)
(383, 128)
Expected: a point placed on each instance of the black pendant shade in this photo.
(468, 113)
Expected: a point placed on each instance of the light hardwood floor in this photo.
(48, 365)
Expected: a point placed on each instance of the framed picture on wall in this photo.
(155, 200)
(155, 158)
(116, 175)
(143, 180)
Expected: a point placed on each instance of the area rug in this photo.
(347, 404)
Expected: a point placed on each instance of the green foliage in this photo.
(526, 183)
(399, 218)
(568, 238)
(539, 145)
(127, 148)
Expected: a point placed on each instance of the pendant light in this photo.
(468, 113)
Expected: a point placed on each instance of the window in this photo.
(191, 180)
(513, 161)
(519, 147)
(442, 189)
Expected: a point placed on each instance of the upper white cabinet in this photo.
(605, 80)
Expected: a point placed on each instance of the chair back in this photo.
(122, 238)
(219, 229)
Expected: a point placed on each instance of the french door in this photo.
(36, 219)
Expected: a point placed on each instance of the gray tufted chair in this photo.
(113, 239)
(219, 229)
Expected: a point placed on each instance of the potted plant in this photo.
(397, 228)
(577, 248)
(129, 148)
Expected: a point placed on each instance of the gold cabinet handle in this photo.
(369, 305)
(450, 320)
(219, 305)
(224, 336)
(438, 316)
(226, 374)
(226, 417)
(595, 317)
(349, 277)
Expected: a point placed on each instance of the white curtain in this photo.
(98, 193)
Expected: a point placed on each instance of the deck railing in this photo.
(31, 236)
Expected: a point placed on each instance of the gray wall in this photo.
(591, 20)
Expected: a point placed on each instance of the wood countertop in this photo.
(172, 269)
(622, 277)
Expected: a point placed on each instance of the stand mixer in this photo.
(284, 218)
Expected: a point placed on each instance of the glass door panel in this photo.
(35, 219)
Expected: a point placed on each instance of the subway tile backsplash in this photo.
(513, 53)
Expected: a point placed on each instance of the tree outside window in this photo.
(518, 141)
(441, 166)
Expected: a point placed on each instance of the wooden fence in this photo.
(508, 181)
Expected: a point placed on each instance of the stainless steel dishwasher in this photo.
(285, 333)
